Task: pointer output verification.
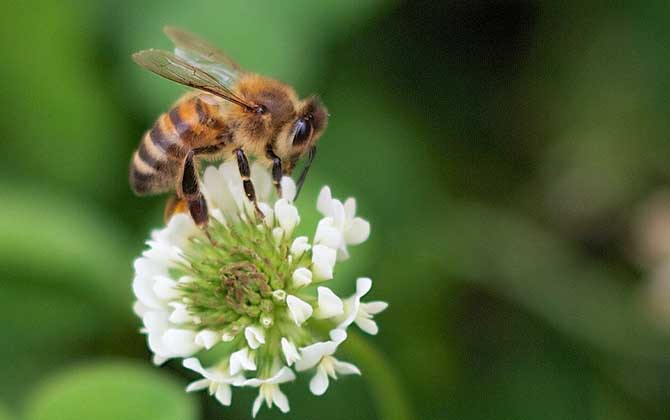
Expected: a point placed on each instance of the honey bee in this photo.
(230, 114)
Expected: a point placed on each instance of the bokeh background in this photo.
(511, 156)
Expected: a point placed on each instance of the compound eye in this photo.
(303, 131)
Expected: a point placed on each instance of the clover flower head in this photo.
(253, 289)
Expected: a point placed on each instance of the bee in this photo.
(230, 114)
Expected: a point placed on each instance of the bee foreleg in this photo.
(245, 174)
(276, 169)
(190, 191)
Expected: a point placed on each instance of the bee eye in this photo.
(303, 131)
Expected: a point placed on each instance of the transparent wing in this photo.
(178, 70)
(200, 53)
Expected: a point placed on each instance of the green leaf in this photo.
(110, 390)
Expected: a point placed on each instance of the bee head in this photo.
(302, 132)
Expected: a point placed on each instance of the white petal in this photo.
(180, 342)
(350, 208)
(278, 234)
(299, 246)
(269, 214)
(143, 289)
(262, 180)
(344, 368)
(144, 292)
(218, 187)
(301, 277)
(323, 262)
(323, 203)
(299, 310)
(257, 404)
(338, 335)
(357, 232)
(367, 325)
(279, 399)
(198, 385)
(330, 304)
(146, 268)
(155, 321)
(255, 337)
(241, 360)
(160, 350)
(224, 394)
(283, 375)
(374, 307)
(207, 338)
(337, 213)
(140, 309)
(194, 364)
(165, 288)
(180, 314)
(363, 286)
(328, 234)
(311, 355)
(352, 305)
(287, 215)
(288, 188)
(290, 352)
(319, 383)
(179, 230)
(218, 215)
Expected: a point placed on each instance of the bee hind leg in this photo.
(245, 173)
(190, 193)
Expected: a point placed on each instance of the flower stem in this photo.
(390, 398)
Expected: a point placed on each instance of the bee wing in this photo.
(178, 70)
(204, 55)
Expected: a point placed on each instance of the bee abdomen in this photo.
(154, 164)
(191, 124)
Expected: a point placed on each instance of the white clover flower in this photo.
(269, 390)
(340, 227)
(361, 313)
(250, 288)
(320, 355)
(217, 381)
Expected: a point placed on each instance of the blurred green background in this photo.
(511, 156)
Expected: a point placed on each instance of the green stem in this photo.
(390, 398)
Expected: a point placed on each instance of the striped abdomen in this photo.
(191, 124)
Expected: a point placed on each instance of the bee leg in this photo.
(276, 169)
(245, 173)
(190, 191)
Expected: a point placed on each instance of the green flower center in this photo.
(232, 278)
